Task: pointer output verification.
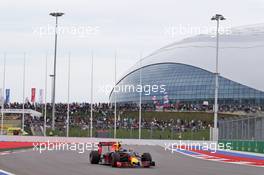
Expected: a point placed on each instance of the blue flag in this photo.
(7, 99)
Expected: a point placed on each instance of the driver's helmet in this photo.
(116, 146)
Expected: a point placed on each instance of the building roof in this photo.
(240, 56)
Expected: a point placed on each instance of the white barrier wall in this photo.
(162, 143)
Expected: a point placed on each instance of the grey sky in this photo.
(130, 27)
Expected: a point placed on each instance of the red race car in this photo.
(111, 153)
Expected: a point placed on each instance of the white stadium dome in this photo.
(241, 54)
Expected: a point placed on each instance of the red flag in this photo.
(33, 95)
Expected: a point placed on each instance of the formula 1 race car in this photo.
(111, 153)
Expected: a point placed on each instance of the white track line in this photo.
(14, 152)
(222, 160)
(5, 153)
(5, 172)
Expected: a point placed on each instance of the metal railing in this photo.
(242, 128)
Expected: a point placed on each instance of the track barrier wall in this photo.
(245, 145)
(162, 143)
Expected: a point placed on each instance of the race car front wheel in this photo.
(94, 157)
(146, 157)
(146, 160)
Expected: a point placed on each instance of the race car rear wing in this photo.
(106, 143)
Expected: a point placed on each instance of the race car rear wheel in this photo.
(146, 157)
(115, 158)
(94, 157)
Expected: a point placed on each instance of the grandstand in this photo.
(13, 121)
(176, 121)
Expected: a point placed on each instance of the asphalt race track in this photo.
(72, 163)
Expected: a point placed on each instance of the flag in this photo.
(177, 105)
(7, 99)
(166, 100)
(1, 97)
(154, 98)
(156, 102)
(33, 95)
(41, 96)
(27, 100)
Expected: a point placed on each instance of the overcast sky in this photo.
(130, 28)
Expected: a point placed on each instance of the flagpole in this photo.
(91, 110)
(115, 97)
(3, 96)
(23, 106)
(45, 108)
(140, 94)
(68, 98)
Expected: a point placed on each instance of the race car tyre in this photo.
(94, 157)
(115, 158)
(146, 157)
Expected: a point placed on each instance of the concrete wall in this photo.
(162, 143)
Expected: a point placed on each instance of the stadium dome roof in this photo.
(240, 56)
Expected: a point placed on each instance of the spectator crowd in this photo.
(104, 115)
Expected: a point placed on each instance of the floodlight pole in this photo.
(217, 18)
(91, 110)
(56, 15)
(3, 96)
(140, 100)
(68, 98)
(23, 96)
(45, 108)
